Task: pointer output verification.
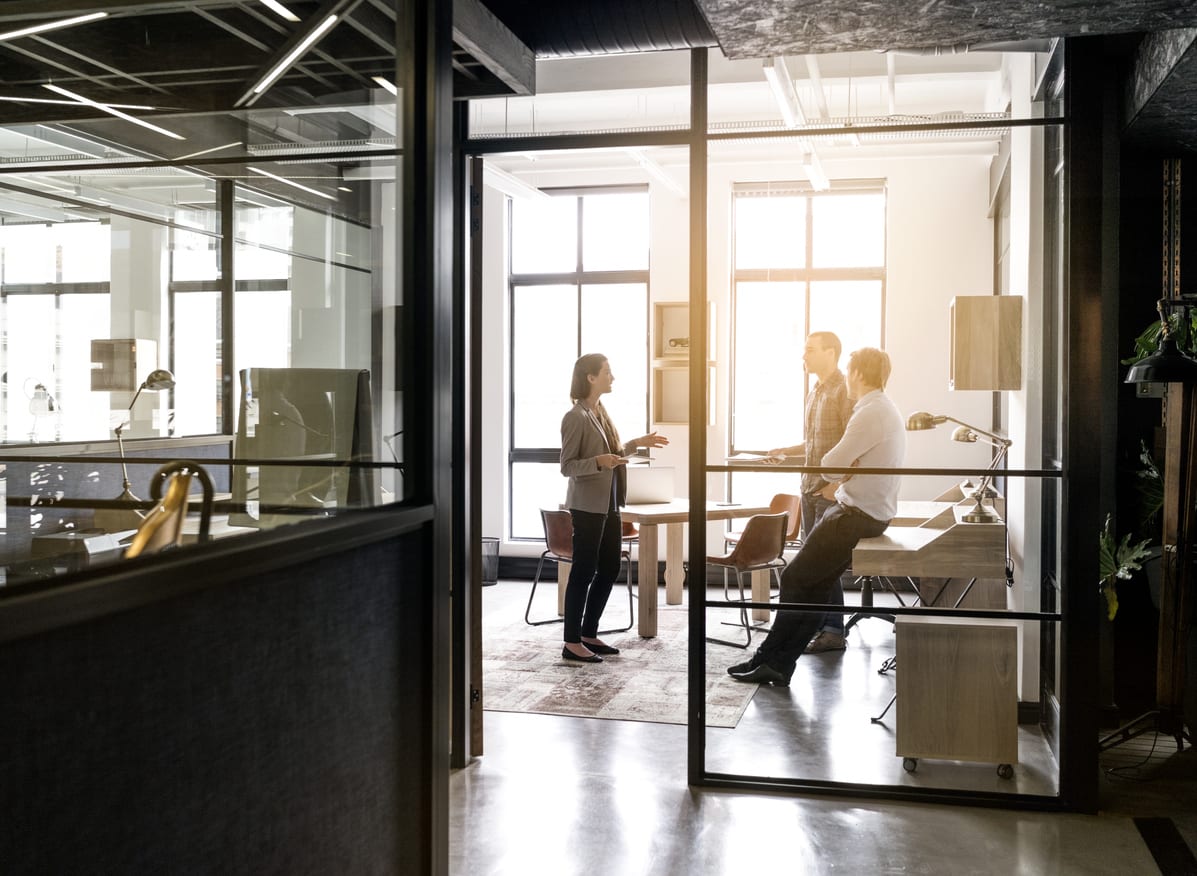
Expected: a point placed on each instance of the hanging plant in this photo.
(1117, 559)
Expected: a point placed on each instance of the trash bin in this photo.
(490, 561)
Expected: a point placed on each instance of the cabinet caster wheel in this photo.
(910, 764)
(1005, 771)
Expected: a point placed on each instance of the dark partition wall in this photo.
(249, 727)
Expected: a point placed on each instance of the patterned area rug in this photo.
(523, 672)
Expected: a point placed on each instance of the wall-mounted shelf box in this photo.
(671, 351)
(120, 364)
(986, 342)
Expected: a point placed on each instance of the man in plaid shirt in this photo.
(827, 411)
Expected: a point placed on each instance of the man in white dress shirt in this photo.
(875, 437)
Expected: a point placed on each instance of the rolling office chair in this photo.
(760, 546)
(559, 546)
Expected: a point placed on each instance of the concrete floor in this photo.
(577, 795)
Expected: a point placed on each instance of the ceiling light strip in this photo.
(778, 77)
(52, 25)
(291, 57)
(127, 106)
(115, 112)
(292, 183)
(280, 10)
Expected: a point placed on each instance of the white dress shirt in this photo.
(875, 437)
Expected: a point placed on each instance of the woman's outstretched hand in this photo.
(652, 439)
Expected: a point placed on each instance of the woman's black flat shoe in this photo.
(600, 648)
(570, 655)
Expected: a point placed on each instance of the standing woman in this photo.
(591, 457)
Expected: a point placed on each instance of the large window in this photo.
(803, 261)
(579, 284)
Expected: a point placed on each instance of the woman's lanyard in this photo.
(595, 422)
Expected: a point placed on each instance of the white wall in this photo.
(940, 245)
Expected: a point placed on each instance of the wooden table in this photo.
(672, 515)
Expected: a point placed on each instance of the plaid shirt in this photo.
(827, 411)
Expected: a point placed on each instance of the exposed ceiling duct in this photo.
(562, 30)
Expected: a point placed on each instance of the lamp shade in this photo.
(921, 420)
(159, 379)
(1166, 365)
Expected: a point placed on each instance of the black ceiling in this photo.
(195, 61)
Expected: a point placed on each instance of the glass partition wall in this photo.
(909, 220)
(220, 286)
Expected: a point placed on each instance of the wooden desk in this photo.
(672, 515)
(959, 550)
(957, 698)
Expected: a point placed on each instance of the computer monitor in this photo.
(289, 416)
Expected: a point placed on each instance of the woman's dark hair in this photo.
(586, 366)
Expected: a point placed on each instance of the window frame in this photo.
(804, 275)
(579, 279)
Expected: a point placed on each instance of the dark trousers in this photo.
(812, 576)
(814, 506)
(597, 545)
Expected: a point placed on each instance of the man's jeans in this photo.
(811, 577)
(813, 508)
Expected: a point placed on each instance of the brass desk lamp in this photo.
(156, 381)
(966, 434)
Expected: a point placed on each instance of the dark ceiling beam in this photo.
(488, 40)
(374, 26)
(120, 74)
(339, 8)
(42, 61)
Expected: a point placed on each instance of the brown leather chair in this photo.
(792, 506)
(760, 546)
(559, 546)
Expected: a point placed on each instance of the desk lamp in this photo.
(156, 381)
(966, 434)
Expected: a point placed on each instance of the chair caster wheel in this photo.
(910, 764)
(1005, 771)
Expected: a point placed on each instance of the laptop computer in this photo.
(650, 484)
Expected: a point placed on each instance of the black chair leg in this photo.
(528, 611)
(743, 623)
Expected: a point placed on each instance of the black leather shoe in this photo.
(763, 674)
(741, 668)
(570, 655)
(600, 648)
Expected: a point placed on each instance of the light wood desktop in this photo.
(936, 548)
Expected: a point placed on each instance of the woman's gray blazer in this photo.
(589, 486)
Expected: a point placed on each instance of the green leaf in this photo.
(1117, 559)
